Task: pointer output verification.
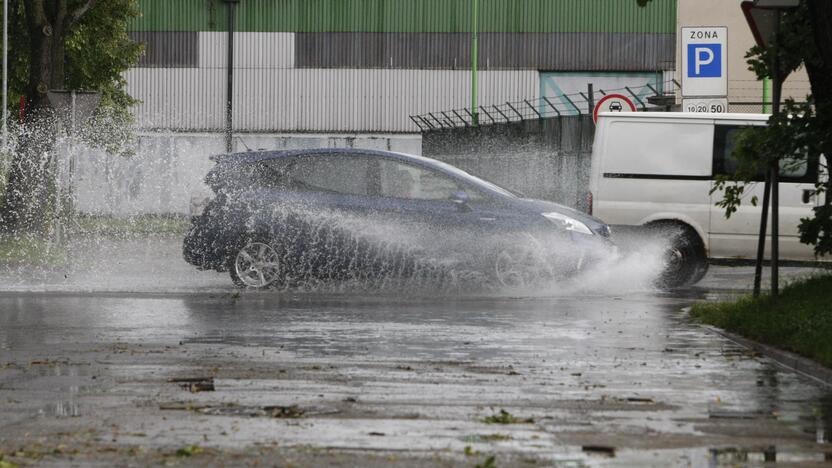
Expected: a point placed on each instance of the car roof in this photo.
(266, 155)
(249, 157)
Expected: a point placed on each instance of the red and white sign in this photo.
(613, 103)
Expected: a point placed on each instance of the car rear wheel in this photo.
(255, 265)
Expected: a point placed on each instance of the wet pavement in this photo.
(189, 373)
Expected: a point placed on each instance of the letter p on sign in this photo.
(706, 60)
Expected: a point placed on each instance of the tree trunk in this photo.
(27, 190)
(820, 74)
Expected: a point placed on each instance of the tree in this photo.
(60, 44)
(803, 131)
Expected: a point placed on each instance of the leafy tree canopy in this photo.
(98, 51)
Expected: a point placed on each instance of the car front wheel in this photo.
(685, 262)
(255, 265)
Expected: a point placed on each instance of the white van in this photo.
(657, 170)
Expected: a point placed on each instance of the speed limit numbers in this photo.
(705, 106)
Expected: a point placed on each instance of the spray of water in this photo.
(332, 251)
(116, 246)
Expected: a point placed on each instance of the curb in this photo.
(789, 361)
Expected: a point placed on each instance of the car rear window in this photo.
(344, 174)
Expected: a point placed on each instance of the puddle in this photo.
(266, 411)
(61, 409)
(729, 456)
(195, 384)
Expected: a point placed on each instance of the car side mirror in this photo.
(460, 199)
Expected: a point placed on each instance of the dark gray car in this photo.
(283, 217)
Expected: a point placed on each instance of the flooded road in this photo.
(310, 380)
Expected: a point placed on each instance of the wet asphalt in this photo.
(146, 370)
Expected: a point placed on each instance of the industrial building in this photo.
(365, 66)
(351, 73)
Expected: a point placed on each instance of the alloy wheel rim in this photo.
(257, 265)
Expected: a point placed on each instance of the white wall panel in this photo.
(343, 100)
(251, 50)
(178, 98)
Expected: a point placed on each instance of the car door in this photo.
(736, 237)
(319, 206)
(432, 204)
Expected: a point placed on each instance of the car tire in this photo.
(256, 264)
(685, 262)
(521, 262)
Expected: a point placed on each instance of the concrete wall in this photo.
(546, 158)
(168, 168)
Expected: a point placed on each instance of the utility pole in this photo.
(474, 52)
(5, 73)
(229, 92)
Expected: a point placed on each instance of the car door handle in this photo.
(808, 195)
(485, 218)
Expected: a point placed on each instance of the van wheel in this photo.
(684, 257)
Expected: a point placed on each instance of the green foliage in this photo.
(490, 462)
(98, 52)
(504, 417)
(798, 320)
(795, 137)
(799, 135)
(793, 47)
(189, 451)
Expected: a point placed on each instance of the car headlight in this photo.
(568, 223)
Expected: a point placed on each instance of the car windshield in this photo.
(304, 174)
(478, 181)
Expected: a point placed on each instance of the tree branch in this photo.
(75, 16)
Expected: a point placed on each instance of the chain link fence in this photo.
(749, 107)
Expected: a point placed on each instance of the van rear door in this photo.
(649, 168)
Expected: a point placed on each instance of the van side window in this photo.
(725, 141)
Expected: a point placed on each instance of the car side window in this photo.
(725, 141)
(399, 180)
(344, 174)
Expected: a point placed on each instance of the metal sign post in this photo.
(613, 103)
(72, 108)
(5, 74)
(763, 17)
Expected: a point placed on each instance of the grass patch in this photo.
(189, 451)
(800, 320)
(504, 417)
(141, 224)
(30, 250)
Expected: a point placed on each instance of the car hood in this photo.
(541, 206)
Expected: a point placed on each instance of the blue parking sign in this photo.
(704, 60)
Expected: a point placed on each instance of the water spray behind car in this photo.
(360, 219)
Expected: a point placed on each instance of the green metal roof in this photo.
(518, 16)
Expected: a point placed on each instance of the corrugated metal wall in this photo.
(588, 51)
(409, 16)
(337, 100)
(365, 65)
